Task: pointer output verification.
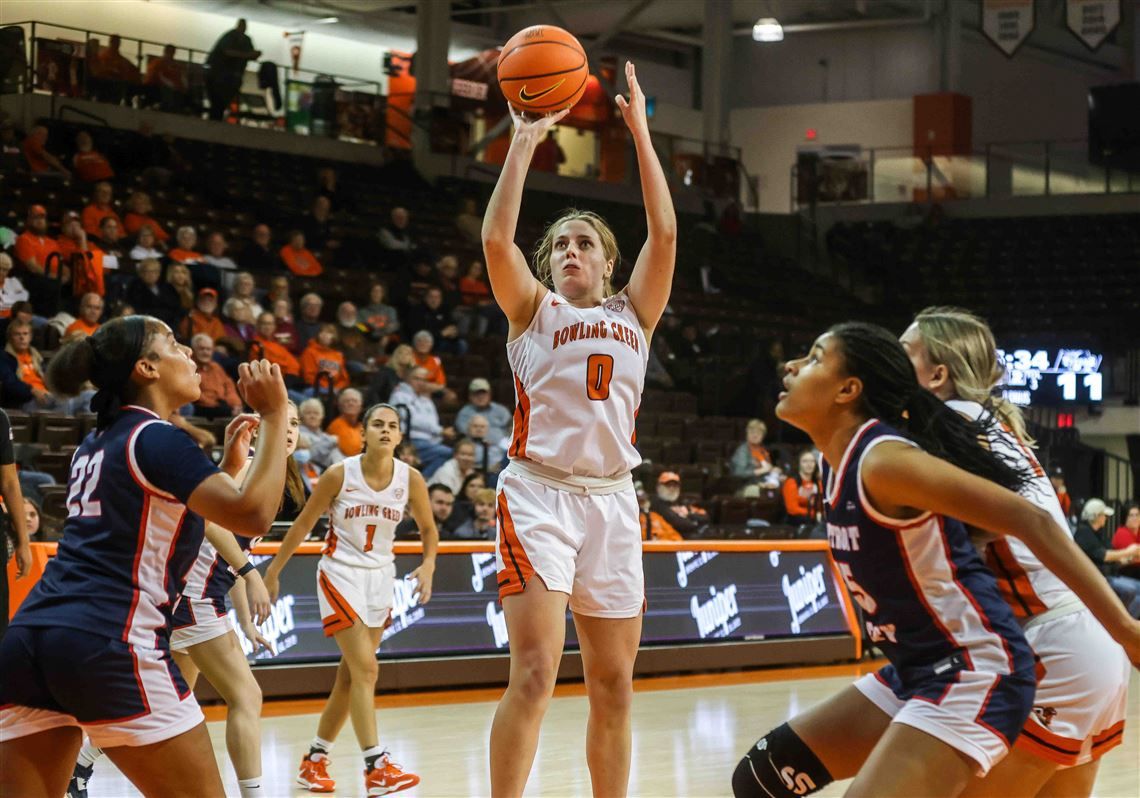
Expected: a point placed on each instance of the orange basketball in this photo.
(543, 69)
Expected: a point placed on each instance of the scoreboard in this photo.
(1050, 377)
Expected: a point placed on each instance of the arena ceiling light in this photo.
(767, 29)
(326, 21)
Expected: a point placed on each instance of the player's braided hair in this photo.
(891, 393)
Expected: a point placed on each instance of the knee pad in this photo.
(780, 765)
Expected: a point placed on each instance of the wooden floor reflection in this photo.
(688, 734)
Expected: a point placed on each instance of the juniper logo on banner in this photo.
(719, 616)
(498, 623)
(482, 566)
(806, 595)
(1007, 23)
(277, 629)
(689, 561)
(1092, 21)
(405, 597)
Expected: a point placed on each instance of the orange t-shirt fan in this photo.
(543, 69)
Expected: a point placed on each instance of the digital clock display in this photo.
(1051, 376)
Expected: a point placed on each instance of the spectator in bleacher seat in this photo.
(311, 437)
(458, 467)
(656, 373)
(382, 320)
(39, 262)
(395, 236)
(387, 377)
(151, 297)
(406, 453)
(258, 254)
(297, 257)
(186, 246)
(146, 246)
(11, 288)
(1091, 536)
(216, 256)
(110, 240)
(422, 345)
(90, 165)
(203, 318)
(442, 507)
(353, 339)
(245, 289)
(241, 329)
(475, 293)
(178, 276)
(286, 333)
(31, 516)
(436, 318)
(548, 155)
(465, 496)
(653, 526)
(309, 321)
(1057, 480)
(225, 68)
(321, 355)
(687, 519)
(139, 210)
(479, 402)
(82, 258)
(111, 76)
(347, 427)
(42, 163)
(27, 363)
(165, 81)
(219, 398)
(279, 288)
(327, 188)
(1128, 534)
(266, 346)
(803, 491)
(90, 312)
(101, 206)
(447, 278)
(481, 525)
(425, 431)
(469, 222)
(751, 460)
(490, 454)
(317, 227)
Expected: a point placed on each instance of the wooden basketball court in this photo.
(688, 734)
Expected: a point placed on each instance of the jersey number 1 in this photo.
(599, 372)
(84, 479)
(369, 531)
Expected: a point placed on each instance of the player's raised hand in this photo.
(536, 126)
(633, 109)
(237, 440)
(262, 387)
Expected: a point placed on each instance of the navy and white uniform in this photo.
(1078, 712)
(961, 669)
(201, 612)
(89, 646)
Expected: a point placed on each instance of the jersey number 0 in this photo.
(599, 372)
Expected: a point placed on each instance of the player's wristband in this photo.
(245, 569)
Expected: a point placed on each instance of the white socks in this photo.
(88, 754)
(251, 788)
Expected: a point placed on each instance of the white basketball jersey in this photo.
(579, 373)
(362, 521)
(1028, 586)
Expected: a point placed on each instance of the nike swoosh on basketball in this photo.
(529, 98)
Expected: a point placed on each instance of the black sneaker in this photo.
(77, 787)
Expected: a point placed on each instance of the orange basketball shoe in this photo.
(314, 775)
(387, 777)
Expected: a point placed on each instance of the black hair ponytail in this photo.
(105, 358)
(892, 394)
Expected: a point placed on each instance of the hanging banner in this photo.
(1007, 23)
(1092, 20)
(296, 41)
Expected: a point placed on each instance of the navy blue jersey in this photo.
(930, 603)
(211, 576)
(129, 539)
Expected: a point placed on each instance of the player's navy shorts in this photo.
(118, 693)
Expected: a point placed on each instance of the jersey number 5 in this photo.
(370, 532)
(599, 372)
(84, 479)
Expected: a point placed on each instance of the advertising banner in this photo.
(692, 596)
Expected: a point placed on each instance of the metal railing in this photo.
(999, 169)
(335, 106)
